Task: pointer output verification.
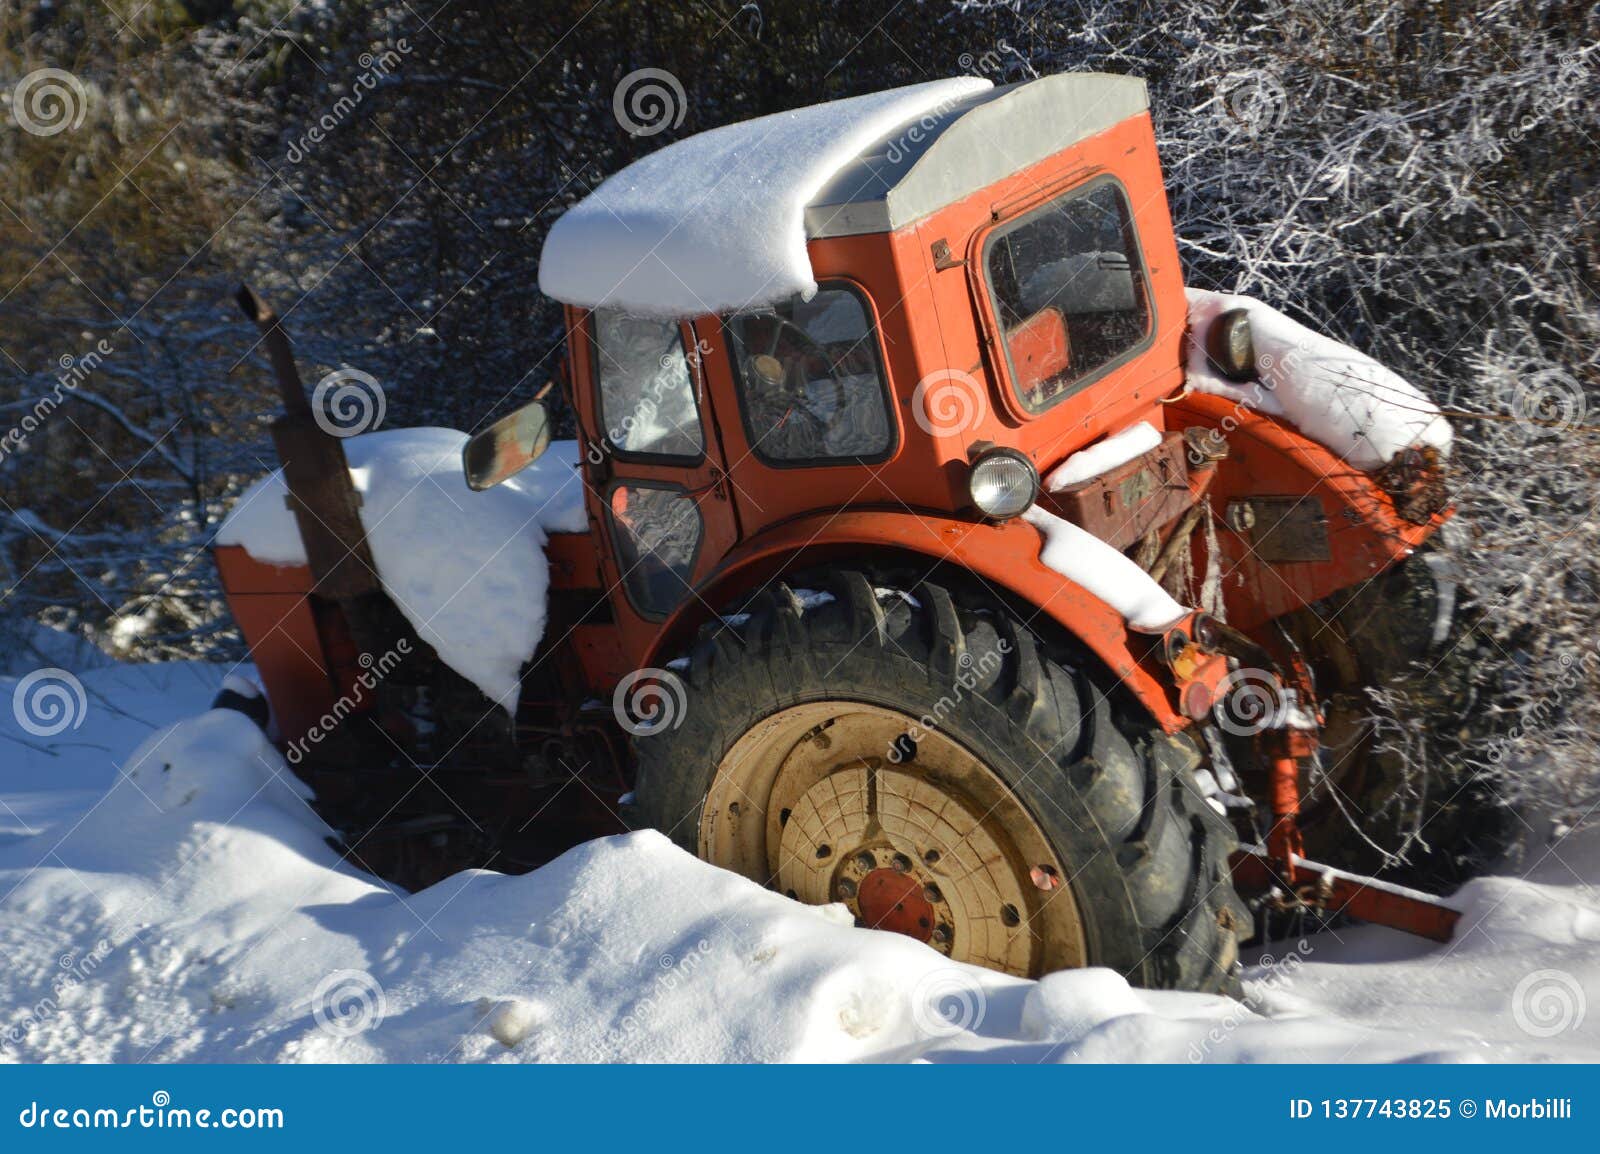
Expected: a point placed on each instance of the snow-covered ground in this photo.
(185, 906)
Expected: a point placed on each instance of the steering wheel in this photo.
(816, 347)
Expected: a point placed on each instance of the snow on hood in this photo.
(1103, 456)
(467, 569)
(1337, 396)
(715, 223)
(196, 913)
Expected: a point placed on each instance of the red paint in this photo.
(893, 901)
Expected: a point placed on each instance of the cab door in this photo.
(654, 464)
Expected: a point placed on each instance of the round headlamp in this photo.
(1230, 346)
(1003, 483)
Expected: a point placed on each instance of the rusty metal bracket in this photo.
(1326, 890)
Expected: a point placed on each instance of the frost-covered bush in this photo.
(1418, 180)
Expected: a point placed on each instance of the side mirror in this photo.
(506, 447)
(1230, 346)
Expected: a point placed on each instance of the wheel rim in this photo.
(831, 802)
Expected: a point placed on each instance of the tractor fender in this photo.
(1004, 556)
(1358, 530)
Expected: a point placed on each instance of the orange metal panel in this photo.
(1266, 458)
(574, 561)
(274, 614)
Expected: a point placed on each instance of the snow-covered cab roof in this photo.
(719, 221)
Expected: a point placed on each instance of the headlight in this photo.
(1003, 483)
(1230, 346)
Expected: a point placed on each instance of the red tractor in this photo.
(859, 651)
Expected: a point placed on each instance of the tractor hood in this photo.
(719, 222)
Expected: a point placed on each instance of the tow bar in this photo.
(1197, 651)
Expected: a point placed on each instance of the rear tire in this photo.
(1404, 809)
(803, 712)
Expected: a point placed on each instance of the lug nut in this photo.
(932, 893)
(901, 863)
(866, 861)
(847, 888)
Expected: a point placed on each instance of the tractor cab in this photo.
(989, 288)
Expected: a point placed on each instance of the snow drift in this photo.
(194, 912)
(715, 223)
(467, 569)
(1337, 396)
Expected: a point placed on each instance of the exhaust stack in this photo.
(325, 503)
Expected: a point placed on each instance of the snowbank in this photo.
(1084, 559)
(467, 569)
(1103, 456)
(194, 912)
(1340, 398)
(715, 223)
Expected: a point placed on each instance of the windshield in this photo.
(811, 386)
(1068, 287)
(647, 396)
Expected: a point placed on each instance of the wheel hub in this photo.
(889, 900)
(907, 856)
(930, 844)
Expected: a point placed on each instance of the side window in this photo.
(1068, 286)
(658, 534)
(647, 396)
(811, 385)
